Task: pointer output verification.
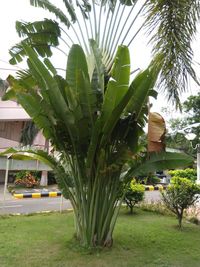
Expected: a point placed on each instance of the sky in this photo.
(12, 10)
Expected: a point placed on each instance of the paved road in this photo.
(31, 205)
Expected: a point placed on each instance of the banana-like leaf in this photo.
(119, 82)
(115, 116)
(49, 84)
(35, 106)
(27, 78)
(40, 35)
(70, 9)
(45, 26)
(17, 53)
(27, 154)
(160, 161)
(45, 4)
(142, 85)
(112, 109)
(78, 80)
(50, 66)
(76, 62)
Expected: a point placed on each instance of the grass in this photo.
(142, 239)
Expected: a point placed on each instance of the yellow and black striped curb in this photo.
(156, 188)
(58, 194)
(37, 195)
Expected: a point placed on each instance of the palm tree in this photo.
(95, 132)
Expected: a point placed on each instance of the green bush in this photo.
(188, 173)
(180, 195)
(134, 193)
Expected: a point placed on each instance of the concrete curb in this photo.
(155, 188)
(37, 195)
(58, 194)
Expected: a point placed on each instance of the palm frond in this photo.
(71, 10)
(45, 4)
(40, 35)
(173, 25)
(86, 19)
(114, 22)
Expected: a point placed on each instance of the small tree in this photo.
(188, 173)
(134, 193)
(180, 195)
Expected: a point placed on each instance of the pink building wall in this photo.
(12, 118)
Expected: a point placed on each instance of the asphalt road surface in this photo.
(32, 205)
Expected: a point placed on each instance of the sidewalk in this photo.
(8, 196)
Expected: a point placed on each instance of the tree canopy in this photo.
(190, 116)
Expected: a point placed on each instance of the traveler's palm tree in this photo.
(94, 132)
(93, 116)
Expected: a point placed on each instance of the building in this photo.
(12, 120)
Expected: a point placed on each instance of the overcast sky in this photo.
(12, 10)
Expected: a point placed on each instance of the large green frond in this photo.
(160, 161)
(115, 99)
(40, 35)
(142, 85)
(173, 24)
(45, 4)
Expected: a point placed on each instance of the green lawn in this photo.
(142, 239)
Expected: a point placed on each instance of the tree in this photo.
(134, 193)
(94, 131)
(190, 116)
(180, 195)
(91, 115)
(192, 108)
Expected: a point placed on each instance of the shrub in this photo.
(188, 173)
(180, 195)
(26, 179)
(134, 193)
